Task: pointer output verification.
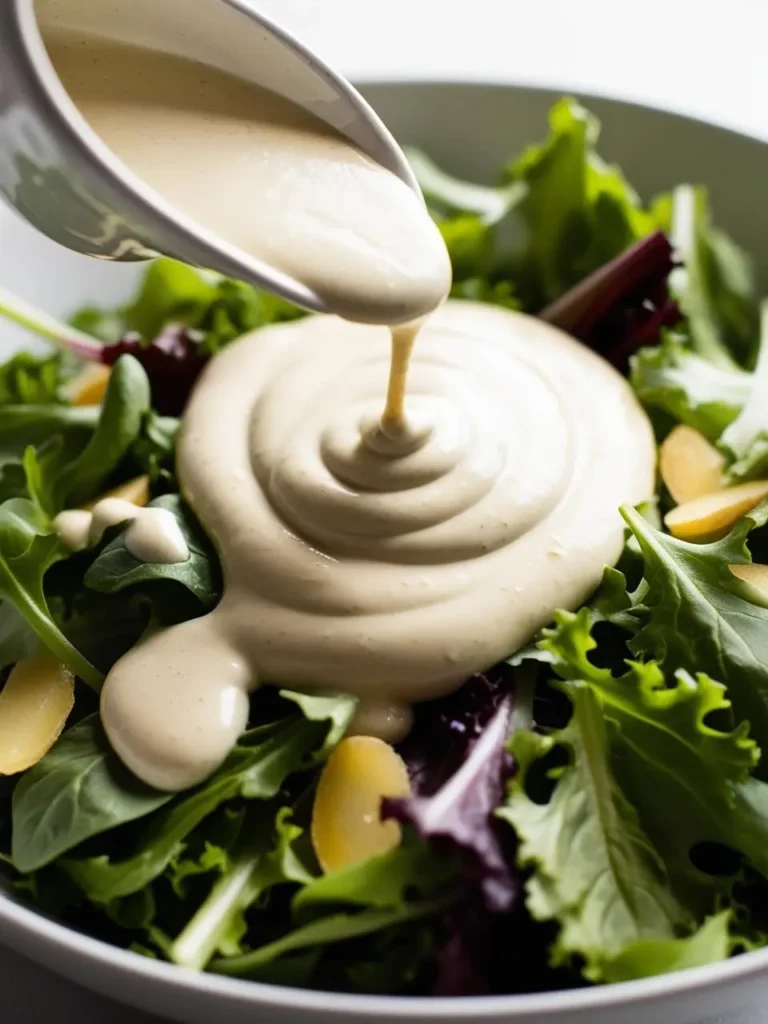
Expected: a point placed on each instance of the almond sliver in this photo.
(346, 824)
(34, 706)
(89, 386)
(712, 515)
(690, 466)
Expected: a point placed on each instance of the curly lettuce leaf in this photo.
(649, 958)
(593, 868)
(689, 781)
(700, 618)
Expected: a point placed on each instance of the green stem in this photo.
(62, 335)
(201, 937)
(327, 930)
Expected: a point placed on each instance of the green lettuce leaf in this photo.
(219, 308)
(700, 618)
(578, 212)
(689, 781)
(714, 287)
(266, 858)
(745, 440)
(29, 379)
(689, 388)
(648, 958)
(593, 868)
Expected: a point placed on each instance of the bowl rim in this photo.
(96, 952)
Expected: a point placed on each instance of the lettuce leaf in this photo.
(699, 617)
(688, 388)
(593, 868)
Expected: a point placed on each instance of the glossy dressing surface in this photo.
(389, 565)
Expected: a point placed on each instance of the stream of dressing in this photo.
(386, 555)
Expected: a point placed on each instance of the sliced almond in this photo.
(34, 706)
(346, 825)
(135, 491)
(756, 576)
(711, 516)
(89, 386)
(690, 466)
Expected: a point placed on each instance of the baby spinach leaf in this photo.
(255, 770)
(27, 551)
(593, 868)
(115, 568)
(79, 789)
(126, 403)
(17, 638)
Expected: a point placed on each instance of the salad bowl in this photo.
(469, 129)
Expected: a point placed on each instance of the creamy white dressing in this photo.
(263, 174)
(389, 554)
(354, 566)
(153, 534)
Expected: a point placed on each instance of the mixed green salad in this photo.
(593, 810)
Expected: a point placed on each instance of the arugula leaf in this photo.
(650, 957)
(29, 379)
(267, 858)
(700, 617)
(116, 568)
(689, 388)
(27, 551)
(255, 770)
(578, 211)
(714, 287)
(688, 780)
(78, 790)
(154, 450)
(126, 403)
(594, 870)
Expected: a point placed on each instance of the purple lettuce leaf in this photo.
(173, 361)
(623, 305)
(459, 768)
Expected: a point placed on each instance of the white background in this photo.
(703, 57)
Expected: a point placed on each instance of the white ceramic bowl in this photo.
(471, 129)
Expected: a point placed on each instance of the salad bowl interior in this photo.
(470, 129)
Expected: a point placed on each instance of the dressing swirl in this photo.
(390, 564)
